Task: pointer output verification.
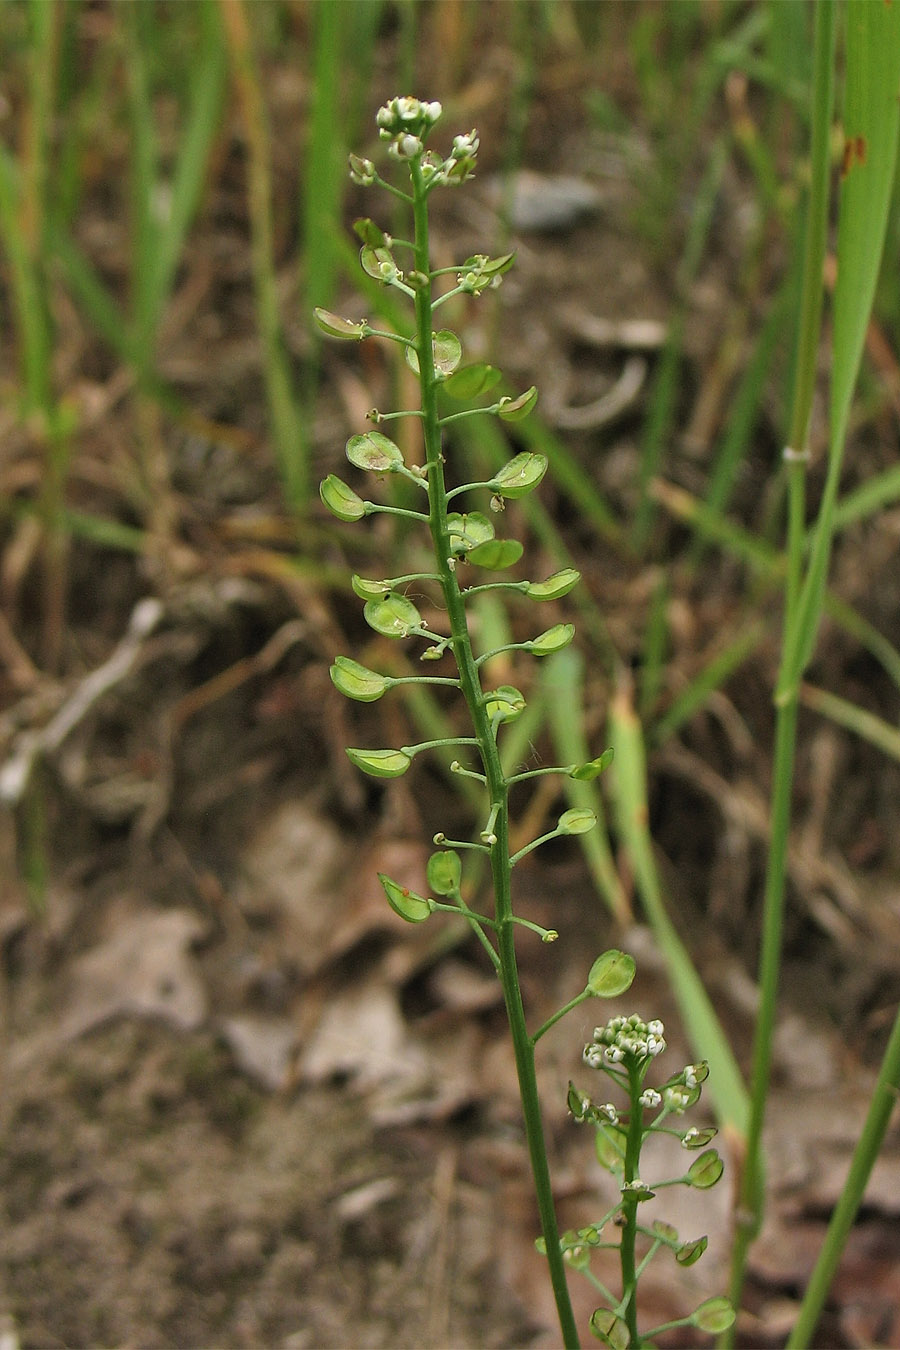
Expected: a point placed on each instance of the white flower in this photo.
(405, 147)
(650, 1097)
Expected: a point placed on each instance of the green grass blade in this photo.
(143, 160)
(881, 1108)
(711, 677)
(207, 91)
(705, 1031)
(288, 427)
(871, 126)
(860, 721)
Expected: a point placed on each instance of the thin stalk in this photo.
(633, 1142)
(750, 1202)
(884, 1099)
(497, 783)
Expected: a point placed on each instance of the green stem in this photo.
(497, 785)
(633, 1143)
(884, 1099)
(748, 1218)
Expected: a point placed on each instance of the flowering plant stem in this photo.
(469, 540)
(497, 784)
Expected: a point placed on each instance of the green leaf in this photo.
(411, 907)
(446, 350)
(555, 587)
(705, 1171)
(610, 1329)
(471, 381)
(356, 681)
(495, 554)
(340, 499)
(380, 763)
(553, 640)
(369, 590)
(522, 474)
(594, 767)
(505, 702)
(444, 872)
(468, 530)
(515, 409)
(690, 1252)
(611, 974)
(577, 820)
(392, 615)
(336, 327)
(713, 1316)
(375, 452)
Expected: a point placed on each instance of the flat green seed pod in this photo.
(380, 763)
(706, 1170)
(610, 1330)
(521, 475)
(515, 409)
(584, 773)
(340, 499)
(375, 452)
(553, 640)
(577, 821)
(505, 702)
(611, 974)
(446, 352)
(369, 590)
(555, 587)
(356, 681)
(714, 1316)
(392, 615)
(471, 381)
(690, 1252)
(496, 554)
(469, 530)
(411, 907)
(444, 872)
(337, 327)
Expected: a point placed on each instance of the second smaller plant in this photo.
(624, 1049)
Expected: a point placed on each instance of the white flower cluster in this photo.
(625, 1038)
(405, 122)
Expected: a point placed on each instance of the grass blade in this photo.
(703, 1027)
(871, 126)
